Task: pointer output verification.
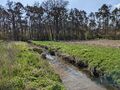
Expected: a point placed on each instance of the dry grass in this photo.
(106, 43)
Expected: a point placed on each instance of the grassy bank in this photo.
(104, 59)
(23, 69)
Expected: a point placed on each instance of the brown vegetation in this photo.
(104, 42)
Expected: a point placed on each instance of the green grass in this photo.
(105, 59)
(22, 69)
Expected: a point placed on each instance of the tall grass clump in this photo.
(23, 69)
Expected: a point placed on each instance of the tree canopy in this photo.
(52, 20)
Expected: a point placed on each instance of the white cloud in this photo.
(117, 6)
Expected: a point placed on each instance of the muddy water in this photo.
(73, 78)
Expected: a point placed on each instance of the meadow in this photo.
(105, 59)
(23, 69)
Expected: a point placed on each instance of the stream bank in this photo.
(73, 77)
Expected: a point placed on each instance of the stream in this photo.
(72, 77)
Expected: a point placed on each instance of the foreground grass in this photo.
(22, 69)
(105, 59)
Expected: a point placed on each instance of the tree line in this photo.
(52, 20)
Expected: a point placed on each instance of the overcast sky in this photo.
(87, 5)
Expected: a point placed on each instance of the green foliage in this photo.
(27, 71)
(105, 59)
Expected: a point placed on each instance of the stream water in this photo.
(72, 77)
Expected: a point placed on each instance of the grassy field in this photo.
(23, 69)
(106, 59)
